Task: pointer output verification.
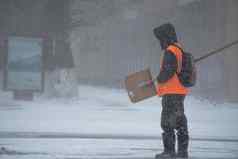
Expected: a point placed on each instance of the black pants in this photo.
(173, 118)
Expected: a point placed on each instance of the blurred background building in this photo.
(105, 40)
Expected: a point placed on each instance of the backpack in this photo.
(188, 74)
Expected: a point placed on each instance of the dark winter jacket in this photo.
(167, 36)
(169, 67)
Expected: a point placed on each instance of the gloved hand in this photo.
(149, 83)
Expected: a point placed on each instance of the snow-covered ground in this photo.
(103, 123)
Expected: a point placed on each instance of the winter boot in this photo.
(183, 141)
(169, 147)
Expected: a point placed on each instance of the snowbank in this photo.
(100, 110)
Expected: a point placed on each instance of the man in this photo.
(173, 94)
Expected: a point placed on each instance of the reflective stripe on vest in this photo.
(173, 85)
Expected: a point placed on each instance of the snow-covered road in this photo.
(102, 123)
(108, 149)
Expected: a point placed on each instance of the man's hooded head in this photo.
(166, 35)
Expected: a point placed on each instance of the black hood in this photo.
(166, 35)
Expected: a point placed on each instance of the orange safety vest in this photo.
(173, 85)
